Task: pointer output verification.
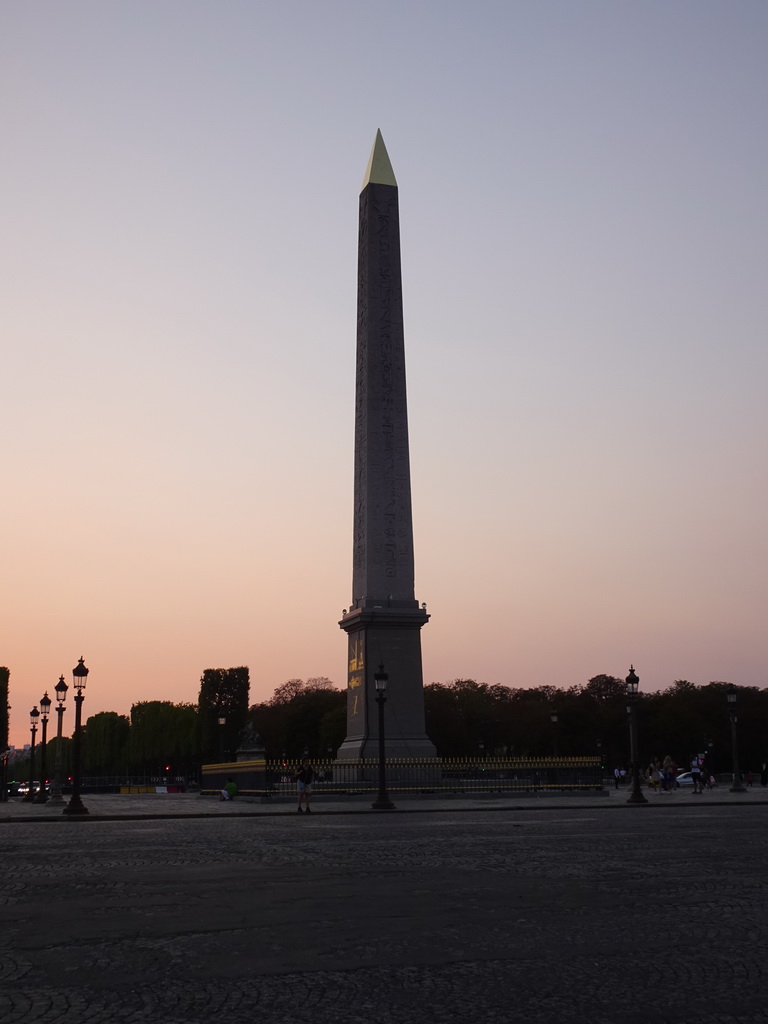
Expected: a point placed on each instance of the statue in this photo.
(250, 745)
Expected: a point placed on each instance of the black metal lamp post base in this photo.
(383, 803)
(75, 806)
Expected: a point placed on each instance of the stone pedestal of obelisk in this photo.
(384, 621)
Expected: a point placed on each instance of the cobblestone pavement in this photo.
(571, 915)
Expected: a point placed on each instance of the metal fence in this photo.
(130, 783)
(446, 775)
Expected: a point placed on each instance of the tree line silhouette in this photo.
(464, 718)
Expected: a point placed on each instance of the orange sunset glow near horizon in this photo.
(583, 213)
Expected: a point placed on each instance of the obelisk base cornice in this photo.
(384, 618)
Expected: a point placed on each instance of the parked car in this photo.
(686, 779)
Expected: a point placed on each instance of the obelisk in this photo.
(384, 621)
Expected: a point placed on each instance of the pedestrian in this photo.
(230, 790)
(654, 775)
(304, 778)
(696, 764)
(764, 774)
(750, 778)
(669, 768)
(616, 777)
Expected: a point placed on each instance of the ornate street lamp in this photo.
(633, 686)
(5, 753)
(4, 775)
(382, 802)
(76, 805)
(55, 796)
(34, 714)
(222, 722)
(45, 710)
(731, 696)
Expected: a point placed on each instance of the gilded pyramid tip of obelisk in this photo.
(379, 170)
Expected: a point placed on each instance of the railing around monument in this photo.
(441, 776)
(158, 782)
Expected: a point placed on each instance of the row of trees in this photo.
(159, 736)
(468, 717)
(463, 718)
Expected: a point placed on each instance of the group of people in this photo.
(303, 779)
(661, 775)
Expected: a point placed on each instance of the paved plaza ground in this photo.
(549, 910)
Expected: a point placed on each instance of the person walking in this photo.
(696, 764)
(304, 778)
(669, 770)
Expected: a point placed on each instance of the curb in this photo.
(335, 812)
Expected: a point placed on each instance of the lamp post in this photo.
(45, 710)
(55, 796)
(738, 786)
(34, 714)
(382, 802)
(633, 685)
(4, 775)
(222, 720)
(76, 805)
(554, 719)
(4, 755)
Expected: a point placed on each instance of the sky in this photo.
(583, 223)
